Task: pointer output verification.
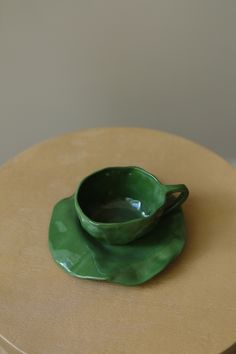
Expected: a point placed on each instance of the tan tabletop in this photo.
(189, 308)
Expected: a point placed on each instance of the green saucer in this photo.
(82, 256)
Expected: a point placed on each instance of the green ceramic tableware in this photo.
(83, 256)
(117, 205)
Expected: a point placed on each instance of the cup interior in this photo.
(120, 194)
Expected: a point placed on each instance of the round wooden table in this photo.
(189, 308)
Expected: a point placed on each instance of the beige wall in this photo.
(73, 64)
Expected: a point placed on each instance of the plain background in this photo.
(72, 64)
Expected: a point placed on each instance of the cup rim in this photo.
(109, 224)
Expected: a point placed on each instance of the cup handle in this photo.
(178, 188)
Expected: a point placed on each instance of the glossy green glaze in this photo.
(83, 256)
(117, 205)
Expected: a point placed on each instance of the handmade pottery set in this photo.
(122, 225)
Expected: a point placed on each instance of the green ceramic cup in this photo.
(120, 204)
